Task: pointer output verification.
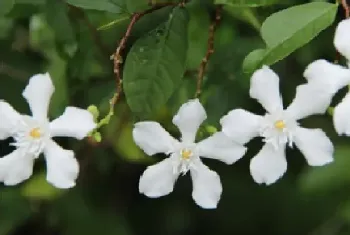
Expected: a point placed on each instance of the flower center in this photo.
(186, 154)
(35, 133)
(280, 125)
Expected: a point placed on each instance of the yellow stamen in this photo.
(35, 133)
(186, 154)
(280, 124)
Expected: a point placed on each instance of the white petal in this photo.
(188, 119)
(152, 138)
(16, 167)
(207, 186)
(309, 99)
(221, 147)
(333, 77)
(38, 94)
(268, 165)
(74, 122)
(342, 38)
(315, 145)
(62, 167)
(341, 116)
(264, 86)
(158, 180)
(8, 120)
(240, 125)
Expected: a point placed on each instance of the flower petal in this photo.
(152, 138)
(9, 118)
(38, 94)
(240, 125)
(74, 122)
(207, 186)
(315, 145)
(309, 99)
(342, 38)
(16, 167)
(268, 165)
(221, 147)
(158, 180)
(188, 119)
(333, 77)
(264, 87)
(62, 167)
(341, 116)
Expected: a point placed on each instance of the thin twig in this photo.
(117, 57)
(346, 8)
(210, 50)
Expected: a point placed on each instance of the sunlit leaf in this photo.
(283, 35)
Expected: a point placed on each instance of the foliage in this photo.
(74, 40)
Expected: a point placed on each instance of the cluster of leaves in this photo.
(74, 40)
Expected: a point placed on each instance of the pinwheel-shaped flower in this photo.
(33, 135)
(279, 127)
(158, 180)
(334, 77)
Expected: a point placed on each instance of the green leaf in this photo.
(156, 63)
(245, 14)
(252, 59)
(60, 23)
(136, 5)
(6, 6)
(122, 17)
(246, 3)
(197, 36)
(31, 2)
(290, 29)
(100, 5)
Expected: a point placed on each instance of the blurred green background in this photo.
(50, 35)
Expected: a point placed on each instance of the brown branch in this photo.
(210, 50)
(346, 8)
(117, 57)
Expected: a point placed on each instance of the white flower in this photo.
(334, 77)
(33, 135)
(279, 127)
(158, 180)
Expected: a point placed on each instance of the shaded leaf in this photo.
(6, 6)
(246, 3)
(101, 5)
(156, 64)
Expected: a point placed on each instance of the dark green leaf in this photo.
(246, 3)
(156, 64)
(101, 5)
(290, 29)
(6, 6)
(60, 23)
